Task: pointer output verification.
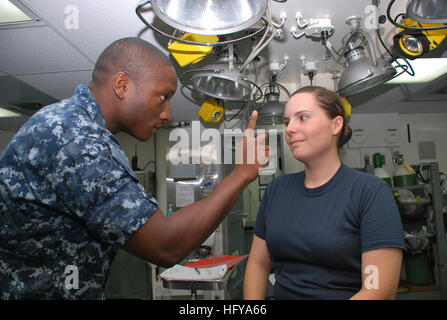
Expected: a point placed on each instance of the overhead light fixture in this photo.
(5, 113)
(424, 11)
(412, 43)
(425, 70)
(427, 11)
(225, 80)
(272, 111)
(221, 82)
(362, 72)
(208, 17)
(9, 13)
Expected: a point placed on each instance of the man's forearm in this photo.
(191, 225)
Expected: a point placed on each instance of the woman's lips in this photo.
(296, 142)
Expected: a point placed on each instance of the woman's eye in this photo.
(303, 117)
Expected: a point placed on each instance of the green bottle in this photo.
(379, 161)
(403, 175)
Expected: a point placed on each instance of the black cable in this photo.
(394, 58)
(240, 110)
(393, 21)
(311, 74)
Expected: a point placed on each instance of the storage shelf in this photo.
(415, 187)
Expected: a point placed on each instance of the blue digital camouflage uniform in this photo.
(68, 202)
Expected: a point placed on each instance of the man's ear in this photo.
(121, 82)
(337, 125)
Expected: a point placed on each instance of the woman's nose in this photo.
(290, 127)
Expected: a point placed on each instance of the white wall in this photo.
(423, 128)
(145, 150)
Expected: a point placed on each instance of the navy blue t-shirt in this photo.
(316, 236)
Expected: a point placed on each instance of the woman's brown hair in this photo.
(332, 105)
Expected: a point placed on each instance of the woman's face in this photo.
(309, 131)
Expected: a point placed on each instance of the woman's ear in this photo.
(337, 125)
(121, 83)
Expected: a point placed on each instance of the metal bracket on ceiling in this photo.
(312, 28)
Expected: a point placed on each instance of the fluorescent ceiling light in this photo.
(425, 70)
(8, 114)
(9, 13)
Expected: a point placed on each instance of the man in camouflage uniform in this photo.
(68, 197)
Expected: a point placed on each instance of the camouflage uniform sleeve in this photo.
(98, 188)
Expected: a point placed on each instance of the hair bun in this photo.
(345, 136)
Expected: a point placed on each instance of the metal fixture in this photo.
(414, 44)
(424, 11)
(313, 28)
(211, 17)
(224, 80)
(223, 84)
(310, 68)
(427, 11)
(272, 111)
(207, 17)
(362, 72)
(221, 80)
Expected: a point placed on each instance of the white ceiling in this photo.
(53, 59)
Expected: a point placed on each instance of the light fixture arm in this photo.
(273, 27)
(368, 39)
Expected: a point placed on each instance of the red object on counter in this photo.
(216, 260)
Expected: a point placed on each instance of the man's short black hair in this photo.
(133, 56)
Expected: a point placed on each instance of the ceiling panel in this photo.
(62, 83)
(13, 90)
(38, 50)
(391, 99)
(100, 22)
